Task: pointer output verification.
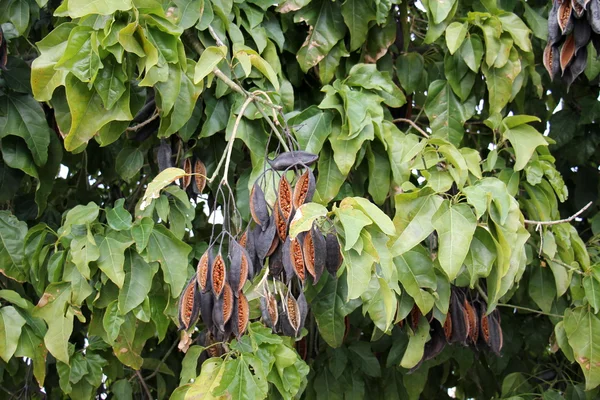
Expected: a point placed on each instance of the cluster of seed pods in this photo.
(572, 24)
(466, 324)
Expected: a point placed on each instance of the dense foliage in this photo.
(444, 151)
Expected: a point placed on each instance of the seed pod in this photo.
(566, 52)
(473, 321)
(414, 317)
(315, 253)
(302, 348)
(270, 313)
(554, 31)
(241, 315)
(243, 239)
(274, 246)
(334, 255)
(286, 260)
(581, 34)
(204, 271)
(437, 343)
(187, 179)
(238, 269)
(199, 177)
(448, 326)
(276, 262)
(223, 308)
(284, 198)
(293, 314)
(305, 189)
(576, 68)
(189, 305)
(263, 239)
(207, 302)
(551, 61)
(593, 15)
(302, 309)
(495, 337)
(460, 322)
(578, 8)
(293, 159)
(258, 206)
(565, 22)
(297, 259)
(218, 275)
(163, 155)
(280, 222)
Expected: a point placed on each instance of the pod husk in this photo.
(564, 17)
(187, 179)
(239, 266)
(263, 239)
(280, 222)
(448, 326)
(189, 305)
(575, 68)
(334, 255)
(593, 15)
(297, 258)
(286, 259)
(204, 271)
(460, 322)
(218, 275)
(163, 156)
(199, 177)
(269, 311)
(284, 198)
(223, 308)
(304, 189)
(293, 314)
(276, 262)
(258, 206)
(290, 159)
(494, 339)
(315, 253)
(551, 61)
(207, 302)
(554, 31)
(473, 320)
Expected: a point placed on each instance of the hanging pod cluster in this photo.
(195, 179)
(466, 323)
(572, 24)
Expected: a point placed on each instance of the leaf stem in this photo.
(560, 221)
(143, 383)
(413, 124)
(162, 360)
(506, 305)
(142, 124)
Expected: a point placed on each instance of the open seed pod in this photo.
(199, 182)
(314, 249)
(218, 275)
(280, 222)
(239, 267)
(297, 258)
(241, 315)
(448, 326)
(189, 305)
(223, 308)
(293, 317)
(578, 7)
(494, 337)
(473, 320)
(293, 159)
(414, 317)
(460, 321)
(334, 255)
(576, 67)
(581, 33)
(565, 17)
(552, 61)
(258, 206)
(269, 310)
(187, 179)
(593, 15)
(305, 189)
(567, 51)
(207, 302)
(204, 271)
(284, 199)
(243, 241)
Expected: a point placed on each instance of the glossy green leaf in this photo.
(81, 56)
(241, 383)
(138, 281)
(162, 180)
(592, 292)
(112, 321)
(409, 70)
(80, 8)
(209, 59)
(583, 329)
(10, 331)
(129, 161)
(118, 217)
(52, 308)
(445, 112)
(524, 139)
(359, 268)
(455, 35)
(304, 217)
(542, 288)
(353, 221)
(512, 24)
(330, 178)
(416, 273)
(12, 237)
(112, 258)
(416, 345)
(312, 127)
(172, 254)
(357, 15)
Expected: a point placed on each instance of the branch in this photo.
(484, 295)
(232, 138)
(560, 221)
(412, 123)
(143, 383)
(142, 124)
(162, 361)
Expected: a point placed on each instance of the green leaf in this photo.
(112, 321)
(138, 281)
(410, 71)
(440, 9)
(110, 83)
(359, 268)
(172, 254)
(210, 378)
(190, 364)
(19, 15)
(326, 29)
(592, 291)
(367, 361)
(189, 12)
(328, 66)
(375, 214)
(22, 116)
(81, 56)
(445, 112)
(414, 213)
(47, 175)
(379, 173)
(12, 254)
(499, 81)
(11, 323)
(88, 114)
(239, 382)
(416, 272)
(517, 29)
(51, 308)
(209, 59)
(122, 390)
(455, 35)
(160, 181)
(311, 127)
(265, 68)
(304, 217)
(416, 345)
(141, 232)
(329, 309)
(44, 78)
(83, 251)
(542, 288)
(16, 155)
(118, 217)
(330, 178)
(353, 221)
(112, 258)
(455, 226)
(129, 161)
(524, 139)
(182, 109)
(481, 256)
(583, 330)
(80, 8)
(357, 15)
(471, 52)
(537, 23)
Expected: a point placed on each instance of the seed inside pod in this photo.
(285, 198)
(203, 271)
(187, 167)
(189, 305)
(297, 259)
(200, 176)
(315, 253)
(293, 313)
(473, 321)
(551, 62)
(578, 9)
(305, 188)
(567, 52)
(270, 313)
(448, 326)
(243, 239)
(460, 322)
(218, 275)
(273, 247)
(227, 302)
(496, 339)
(564, 16)
(415, 316)
(281, 223)
(242, 315)
(258, 206)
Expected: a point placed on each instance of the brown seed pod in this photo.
(302, 348)
(270, 313)
(578, 9)
(567, 52)
(239, 266)
(460, 322)
(281, 223)
(189, 305)
(241, 315)
(334, 255)
(204, 271)
(227, 309)
(315, 253)
(581, 34)
(293, 313)
(218, 275)
(207, 303)
(415, 316)
(284, 199)
(551, 61)
(291, 159)
(297, 258)
(437, 343)
(244, 239)
(554, 31)
(199, 177)
(263, 239)
(593, 15)
(576, 67)
(305, 189)
(273, 246)
(276, 262)
(187, 179)
(448, 326)
(286, 260)
(163, 155)
(565, 22)
(258, 206)
(473, 321)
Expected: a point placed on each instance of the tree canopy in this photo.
(299, 199)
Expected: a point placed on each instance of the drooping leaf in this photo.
(583, 329)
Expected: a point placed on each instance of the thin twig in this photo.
(560, 221)
(162, 360)
(232, 138)
(529, 310)
(413, 124)
(215, 36)
(142, 124)
(567, 266)
(274, 128)
(143, 383)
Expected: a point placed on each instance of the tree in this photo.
(305, 198)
